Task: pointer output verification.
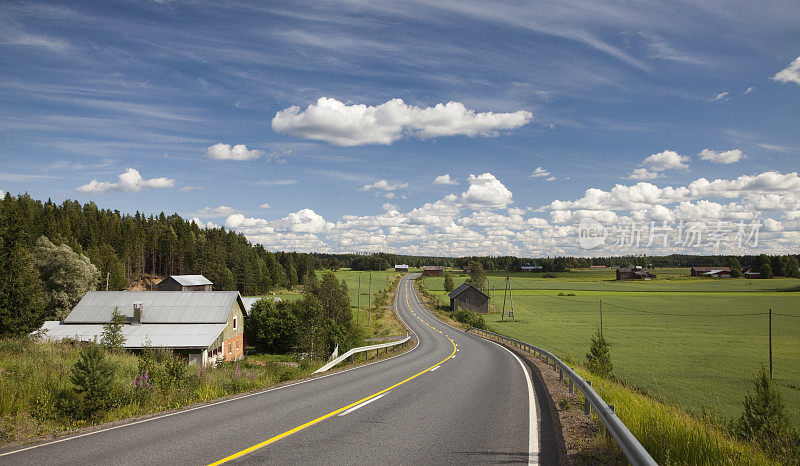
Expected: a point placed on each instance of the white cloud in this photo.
(280, 182)
(389, 207)
(486, 191)
(749, 90)
(213, 212)
(264, 206)
(643, 174)
(383, 185)
(726, 157)
(239, 152)
(130, 182)
(340, 124)
(302, 221)
(190, 188)
(790, 74)
(539, 172)
(444, 179)
(550, 178)
(666, 160)
(200, 223)
(721, 97)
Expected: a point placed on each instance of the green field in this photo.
(691, 342)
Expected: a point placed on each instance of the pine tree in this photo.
(598, 359)
(21, 304)
(112, 337)
(764, 418)
(93, 376)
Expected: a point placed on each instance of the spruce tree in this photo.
(764, 418)
(112, 337)
(598, 359)
(448, 282)
(93, 376)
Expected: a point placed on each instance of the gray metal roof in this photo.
(191, 280)
(158, 307)
(463, 287)
(248, 301)
(138, 336)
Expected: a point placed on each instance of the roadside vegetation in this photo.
(49, 388)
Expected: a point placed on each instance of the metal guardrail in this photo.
(627, 442)
(363, 349)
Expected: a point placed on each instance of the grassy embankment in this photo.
(38, 399)
(688, 345)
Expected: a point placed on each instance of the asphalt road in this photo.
(454, 398)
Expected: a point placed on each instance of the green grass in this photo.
(35, 379)
(687, 342)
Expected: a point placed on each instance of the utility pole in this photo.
(369, 302)
(507, 292)
(770, 344)
(601, 317)
(358, 302)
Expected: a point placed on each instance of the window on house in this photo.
(234, 323)
(229, 347)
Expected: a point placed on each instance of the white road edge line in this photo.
(533, 407)
(183, 411)
(433, 369)
(362, 404)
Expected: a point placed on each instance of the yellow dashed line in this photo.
(343, 408)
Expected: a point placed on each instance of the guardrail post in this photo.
(352, 359)
(571, 387)
(587, 407)
(560, 374)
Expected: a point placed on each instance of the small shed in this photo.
(401, 268)
(468, 297)
(185, 283)
(750, 274)
(531, 268)
(432, 271)
(721, 272)
(635, 273)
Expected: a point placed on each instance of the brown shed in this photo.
(711, 271)
(432, 271)
(185, 283)
(468, 297)
(635, 273)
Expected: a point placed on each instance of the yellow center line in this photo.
(343, 408)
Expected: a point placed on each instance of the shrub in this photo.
(764, 418)
(598, 359)
(469, 318)
(93, 376)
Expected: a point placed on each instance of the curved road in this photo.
(454, 398)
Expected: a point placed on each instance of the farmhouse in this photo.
(432, 271)
(185, 283)
(401, 268)
(468, 297)
(720, 272)
(248, 301)
(200, 327)
(633, 273)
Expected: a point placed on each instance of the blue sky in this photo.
(323, 126)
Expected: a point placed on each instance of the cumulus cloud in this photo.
(654, 164)
(444, 179)
(239, 152)
(200, 223)
(486, 191)
(726, 157)
(264, 206)
(340, 124)
(389, 207)
(213, 212)
(539, 172)
(790, 74)
(383, 185)
(302, 221)
(129, 182)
